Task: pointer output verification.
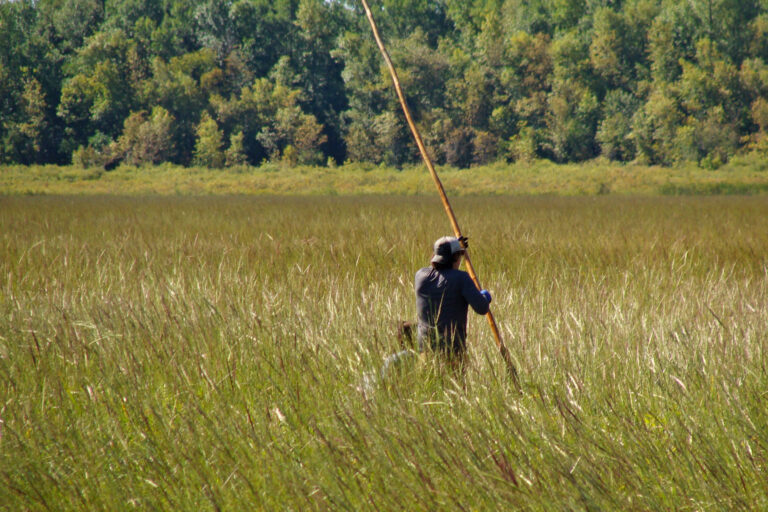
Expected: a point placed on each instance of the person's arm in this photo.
(473, 296)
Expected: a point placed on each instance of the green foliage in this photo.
(147, 140)
(33, 129)
(524, 86)
(404, 17)
(613, 51)
(529, 16)
(572, 121)
(378, 140)
(474, 72)
(70, 22)
(672, 37)
(458, 148)
(235, 153)
(99, 152)
(209, 144)
(615, 130)
(524, 145)
(100, 94)
(655, 127)
(270, 117)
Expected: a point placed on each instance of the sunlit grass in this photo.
(745, 175)
(204, 353)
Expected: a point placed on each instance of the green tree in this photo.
(724, 23)
(378, 139)
(34, 126)
(302, 132)
(758, 33)
(458, 147)
(613, 52)
(264, 31)
(524, 145)
(565, 14)
(270, 117)
(754, 79)
(615, 128)
(423, 72)
(318, 68)
(235, 153)
(101, 151)
(177, 86)
(400, 18)
(23, 133)
(373, 123)
(69, 22)
(655, 125)
(470, 95)
(209, 144)
(571, 59)
(174, 35)
(98, 96)
(30, 76)
(216, 28)
(367, 94)
(146, 140)
(572, 121)
(126, 14)
(529, 16)
(524, 86)
(671, 39)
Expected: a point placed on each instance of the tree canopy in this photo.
(231, 82)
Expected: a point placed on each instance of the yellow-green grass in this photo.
(203, 353)
(743, 175)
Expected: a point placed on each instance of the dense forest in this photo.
(228, 82)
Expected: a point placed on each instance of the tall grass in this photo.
(205, 353)
(743, 175)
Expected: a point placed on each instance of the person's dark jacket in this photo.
(442, 300)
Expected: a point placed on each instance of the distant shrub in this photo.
(147, 140)
(458, 148)
(484, 147)
(86, 157)
(235, 153)
(208, 147)
(523, 146)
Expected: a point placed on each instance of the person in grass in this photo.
(443, 296)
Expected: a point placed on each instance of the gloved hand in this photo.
(487, 295)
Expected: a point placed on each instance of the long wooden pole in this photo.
(439, 184)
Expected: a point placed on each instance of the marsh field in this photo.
(206, 353)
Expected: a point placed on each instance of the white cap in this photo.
(445, 248)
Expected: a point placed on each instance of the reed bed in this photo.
(743, 175)
(207, 353)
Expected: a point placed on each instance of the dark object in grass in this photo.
(112, 163)
(405, 334)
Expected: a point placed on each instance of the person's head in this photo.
(447, 253)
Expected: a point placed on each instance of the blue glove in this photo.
(487, 295)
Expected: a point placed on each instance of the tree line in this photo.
(230, 82)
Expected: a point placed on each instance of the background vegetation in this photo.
(205, 354)
(221, 83)
(745, 175)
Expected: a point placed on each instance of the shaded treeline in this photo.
(218, 83)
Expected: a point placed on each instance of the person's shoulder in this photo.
(423, 272)
(457, 274)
